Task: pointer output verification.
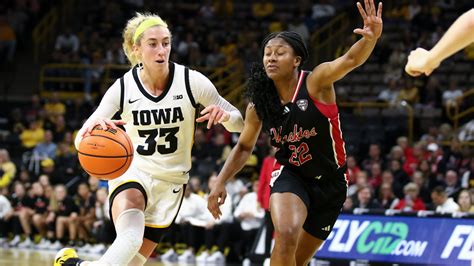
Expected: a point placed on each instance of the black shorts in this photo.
(323, 198)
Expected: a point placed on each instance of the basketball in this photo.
(106, 154)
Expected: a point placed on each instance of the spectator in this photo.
(409, 93)
(7, 169)
(32, 136)
(452, 93)
(386, 196)
(467, 180)
(38, 217)
(352, 169)
(263, 196)
(192, 220)
(235, 190)
(390, 93)
(441, 201)
(423, 186)
(5, 208)
(54, 107)
(86, 214)
(396, 186)
(102, 227)
(67, 42)
(298, 25)
(375, 178)
(323, 10)
(452, 184)
(217, 232)
(250, 214)
(360, 182)
(19, 215)
(396, 153)
(374, 157)
(411, 200)
(47, 148)
(62, 217)
(7, 40)
(465, 201)
(262, 9)
(365, 199)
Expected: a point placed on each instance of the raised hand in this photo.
(372, 20)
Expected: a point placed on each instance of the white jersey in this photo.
(162, 127)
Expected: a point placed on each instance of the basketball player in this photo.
(308, 187)
(458, 36)
(157, 100)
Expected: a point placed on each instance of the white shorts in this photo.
(162, 198)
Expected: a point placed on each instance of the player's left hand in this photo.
(213, 114)
(372, 20)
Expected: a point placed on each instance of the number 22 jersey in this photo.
(309, 140)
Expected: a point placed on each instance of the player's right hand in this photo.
(216, 199)
(420, 62)
(104, 123)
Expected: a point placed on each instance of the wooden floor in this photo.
(31, 257)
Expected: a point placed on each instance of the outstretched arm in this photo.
(236, 160)
(458, 36)
(320, 82)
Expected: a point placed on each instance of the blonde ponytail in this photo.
(129, 34)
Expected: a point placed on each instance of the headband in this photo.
(146, 24)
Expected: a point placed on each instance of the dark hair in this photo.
(261, 90)
(439, 190)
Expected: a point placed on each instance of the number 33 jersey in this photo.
(309, 141)
(160, 127)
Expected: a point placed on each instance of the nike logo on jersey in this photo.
(177, 97)
(132, 101)
(176, 190)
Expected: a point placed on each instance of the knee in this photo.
(135, 240)
(287, 236)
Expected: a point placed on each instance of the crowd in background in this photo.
(47, 201)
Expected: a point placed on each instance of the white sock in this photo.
(138, 260)
(130, 227)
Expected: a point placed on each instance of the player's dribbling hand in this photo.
(419, 63)
(213, 114)
(103, 123)
(215, 200)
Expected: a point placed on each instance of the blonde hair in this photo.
(129, 32)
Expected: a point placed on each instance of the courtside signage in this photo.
(445, 241)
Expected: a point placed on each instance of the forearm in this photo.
(458, 36)
(236, 161)
(235, 122)
(360, 51)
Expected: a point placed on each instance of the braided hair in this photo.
(261, 90)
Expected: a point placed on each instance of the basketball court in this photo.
(28, 257)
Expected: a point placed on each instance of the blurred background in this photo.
(409, 141)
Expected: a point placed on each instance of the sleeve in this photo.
(109, 105)
(205, 93)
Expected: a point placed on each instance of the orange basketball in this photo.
(106, 154)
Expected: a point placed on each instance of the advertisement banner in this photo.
(411, 240)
